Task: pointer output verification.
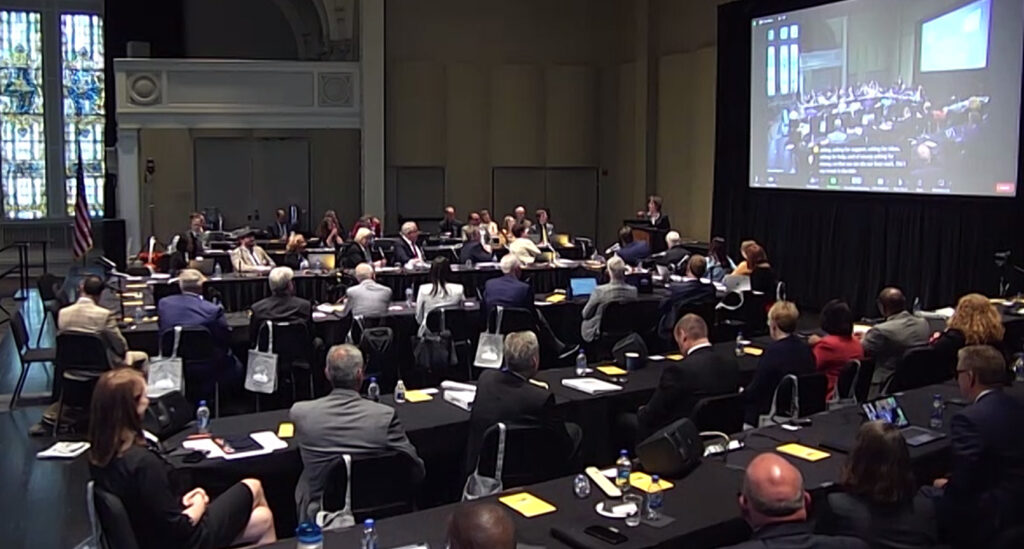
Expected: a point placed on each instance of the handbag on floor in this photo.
(432, 351)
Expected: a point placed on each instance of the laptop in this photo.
(326, 260)
(887, 409)
(582, 287)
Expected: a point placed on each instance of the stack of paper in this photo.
(590, 385)
(462, 399)
(64, 450)
(456, 386)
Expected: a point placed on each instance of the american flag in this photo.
(83, 225)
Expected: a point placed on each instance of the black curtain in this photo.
(827, 244)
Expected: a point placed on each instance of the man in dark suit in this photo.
(510, 396)
(788, 354)
(194, 238)
(774, 504)
(407, 252)
(450, 225)
(474, 251)
(984, 494)
(674, 254)
(359, 251)
(282, 226)
(632, 252)
(691, 293)
(281, 306)
(702, 373)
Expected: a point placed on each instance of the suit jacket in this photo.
(524, 249)
(187, 309)
(280, 308)
(905, 526)
(341, 423)
(661, 223)
(789, 355)
(294, 260)
(353, 254)
(985, 493)
(672, 256)
(280, 230)
(473, 251)
(454, 227)
(691, 292)
(613, 292)
(703, 373)
(507, 291)
(537, 228)
(887, 341)
(85, 316)
(634, 252)
(368, 298)
(502, 396)
(244, 261)
(796, 535)
(193, 245)
(404, 252)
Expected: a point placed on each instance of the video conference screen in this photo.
(909, 96)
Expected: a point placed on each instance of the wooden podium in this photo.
(645, 232)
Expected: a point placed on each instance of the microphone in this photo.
(613, 248)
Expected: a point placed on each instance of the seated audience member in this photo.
(449, 226)
(719, 262)
(787, 354)
(330, 231)
(481, 526)
(505, 233)
(407, 251)
(975, 321)
(674, 254)
(123, 464)
(87, 316)
(507, 396)
(774, 504)
(249, 257)
(522, 247)
(474, 229)
(745, 267)
(762, 278)
(282, 226)
(179, 258)
(690, 293)
(343, 422)
(632, 252)
(194, 239)
(879, 502)
(295, 253)
(367, 298)
(653, 214)
(701, 373)
(487, 223)
(543, 228)
(368, 221)
(281, 306)
(360, 251)
(615, 291)
(439, 292)
(838, 347)
(887, 341)
(520, 216)
(475, 251)
(984, 493)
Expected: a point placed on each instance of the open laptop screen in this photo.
(886, 409)
(582, 287)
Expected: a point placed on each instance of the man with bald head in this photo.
(481, 526)
(774, 504)
(367, 298)
(887, 341)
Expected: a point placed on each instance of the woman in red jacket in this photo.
(836, 349)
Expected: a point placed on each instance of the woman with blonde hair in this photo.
(295, 252)
(974, 322)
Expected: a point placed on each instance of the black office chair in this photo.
(1012, 538)
(854, 381)
(195, 346)
(293, 345)
(811, 395)
(26, 355)
(723, 413)
(524, 462)
(384, 484)
(375, 339)
(919, 367)
(455, 321)
(618, 320)
(49, 287)
(513, 319)
(115, 528)
(81, 359)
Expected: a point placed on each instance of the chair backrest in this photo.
(812, 390)
(115, 526)
(723, 413)
(196, 343)
(854, 380)
(513, 319)
(81, 351)
(919, 367)
(623, 317)
(19, 331)
(48, 286)
(524, 462)
(292, 341)
(384, 484)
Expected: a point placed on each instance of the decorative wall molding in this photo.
(210, 93)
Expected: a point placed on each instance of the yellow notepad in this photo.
(674, 357)
(527, 504)
(555, 298)
(803, 452)
(642, 481)
(539, 383)
(753, 351)
(417, 396)
(611, 370)
(286, 430)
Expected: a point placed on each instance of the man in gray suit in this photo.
(615, 291)
(887, 341)
(342, 423)
(368, 298)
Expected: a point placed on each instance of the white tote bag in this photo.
(261, 370)
(167, 374)
(770, 418)
(343, 518)
(490, 350)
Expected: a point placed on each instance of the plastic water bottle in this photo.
(739, 344)
(203, 417)
(309, 536)
(1018, 368)
(217, 270)
(581, 364)
(369, 534)
(319, 265)
(936, 420)
(373, 391)
(655, 499)
(400, 392)
(139, 315)
(581, 486)
(408, 297)
(623, 467)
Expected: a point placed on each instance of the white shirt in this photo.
(697, 346)
(983, 393)
(416, 252)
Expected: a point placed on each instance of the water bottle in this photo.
(319, 265)
(309, 536)
(739, 344)
(400, 392)
(581, 364)
(203, 417)
(655, 499)
(139, 315)
(1018, 368)
(581, 486)
(369, 535)
(373, 391)
(217, 270)
(936, 420)
(623, 467)
(408, 297)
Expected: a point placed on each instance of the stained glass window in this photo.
(23, 158)
(82, 65)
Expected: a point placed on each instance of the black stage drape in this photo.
(828, 244)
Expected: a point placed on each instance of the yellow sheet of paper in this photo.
(611, 370)
(803, 452)
(555, 298)
(642, 481)
(539, 383)
(286, 430)
(753, 351)
(674, 357)
(417, 396)
(527, 504)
